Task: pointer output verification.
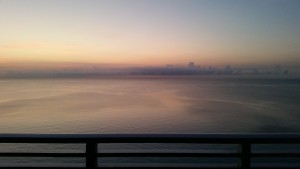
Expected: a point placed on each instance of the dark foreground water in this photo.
(147, 105)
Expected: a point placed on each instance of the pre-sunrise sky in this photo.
(151, 32)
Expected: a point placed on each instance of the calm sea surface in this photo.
(150, 105)
(143, 105)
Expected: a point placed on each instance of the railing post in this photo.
(91, 155)
(245, 155)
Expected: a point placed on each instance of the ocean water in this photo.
(174, 104)
(151, 105)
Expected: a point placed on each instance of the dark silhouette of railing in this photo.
(244, 154)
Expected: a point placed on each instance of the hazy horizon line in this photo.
(32, 64)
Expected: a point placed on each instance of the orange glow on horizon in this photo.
(130, 33)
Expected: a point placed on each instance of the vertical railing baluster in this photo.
(91, 155)
(245, 155)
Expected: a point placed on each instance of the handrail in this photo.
(245, 141)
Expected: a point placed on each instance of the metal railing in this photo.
(244, 153)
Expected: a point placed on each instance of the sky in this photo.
(149, 32)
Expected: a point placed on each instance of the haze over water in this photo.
(119, 66)
(72, 38)
(168, 104)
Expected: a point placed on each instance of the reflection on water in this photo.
(144, 105)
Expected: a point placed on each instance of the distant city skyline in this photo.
(72, 70)
(119, 33)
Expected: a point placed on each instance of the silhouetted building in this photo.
(228, 70)
(277, 69)
(191, 65)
